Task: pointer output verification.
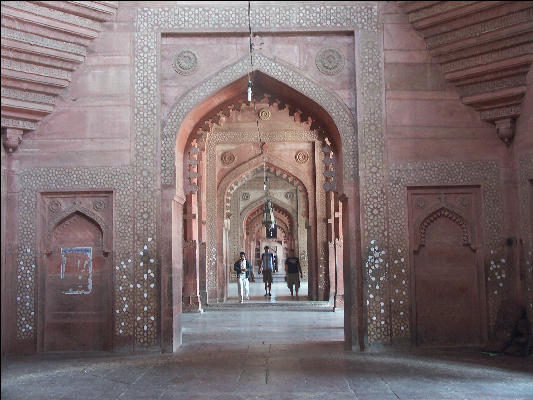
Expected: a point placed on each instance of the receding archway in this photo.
(337, 124)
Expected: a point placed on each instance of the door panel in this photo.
(446, 282)
(447, 308)
(78, 290)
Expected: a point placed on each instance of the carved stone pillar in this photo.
(330, 213)
(191, 295)
(320, 235)
(201, 212)
(339, 264)
(177, 269)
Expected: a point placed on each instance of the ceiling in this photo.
(42, 43)
(485, 48)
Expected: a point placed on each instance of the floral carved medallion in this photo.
(329, 61)
(264, 114)
(185, 62)
(227, 158)
(302, 157)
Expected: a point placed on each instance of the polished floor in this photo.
(257, 353)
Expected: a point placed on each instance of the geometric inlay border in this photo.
(152, 22)
(35, 181)
(483, 173)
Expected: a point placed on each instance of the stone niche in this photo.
(75, 278)
(446, 278)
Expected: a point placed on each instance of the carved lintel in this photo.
(12, 139)
(505, 128)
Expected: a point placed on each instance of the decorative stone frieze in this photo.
(36, 40)
(54, 14)
(27, 96)
(17, 123)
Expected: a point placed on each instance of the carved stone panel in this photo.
(447, 287)
(77, 288)
(75, 232)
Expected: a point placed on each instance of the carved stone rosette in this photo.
(329, 61)
(264, 114)
(302, 157)
(227, 158)
(185, 62)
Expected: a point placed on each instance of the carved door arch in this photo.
(77, 286)
(446, 288)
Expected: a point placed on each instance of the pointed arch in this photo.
(182, 118)
(249, 168)
(95, 218)
(442, 211)
(256, 205)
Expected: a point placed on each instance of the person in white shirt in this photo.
(243, 268)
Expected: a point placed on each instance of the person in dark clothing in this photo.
(266, 267)
(293, 272)
(243, 268)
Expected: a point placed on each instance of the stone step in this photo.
(251, 305)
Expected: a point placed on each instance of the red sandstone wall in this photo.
(425, 120)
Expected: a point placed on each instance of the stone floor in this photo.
(272, 354)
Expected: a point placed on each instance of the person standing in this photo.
(293, 272)
(267, 264)
(243, 268)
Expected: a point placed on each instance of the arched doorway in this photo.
(210, 147)
(77, 284)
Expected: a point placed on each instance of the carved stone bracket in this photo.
(12, 139)
(505, 129)
(484, 49)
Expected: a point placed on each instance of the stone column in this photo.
(339, 265)
(3, 216)
(330, 214)
(355, 316)
(202, 232)
(321, 241)
(191, 295)
(177, 269)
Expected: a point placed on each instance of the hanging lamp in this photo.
(269, 222)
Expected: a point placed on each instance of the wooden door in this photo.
(447, 309)
(77, 289)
